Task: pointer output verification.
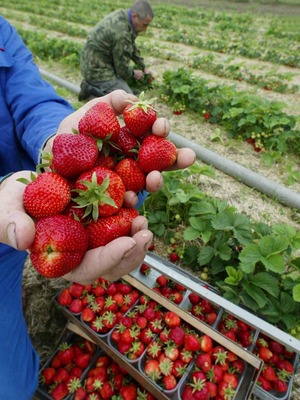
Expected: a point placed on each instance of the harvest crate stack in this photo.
(200, 312)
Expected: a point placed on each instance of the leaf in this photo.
(257, 295)
(237, 223)
(296, 293)
(205, 255)
(271, 245)
(203, 208)
(191, 234)
(274, 263)
(249, 256)
(266, 282)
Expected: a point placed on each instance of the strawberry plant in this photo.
(251, 263)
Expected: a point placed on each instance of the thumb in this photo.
(17, 229)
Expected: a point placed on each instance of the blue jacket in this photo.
(30, 111)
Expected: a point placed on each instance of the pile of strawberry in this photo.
(278, 366)
(170, 289)
(78, 204)
(236, 330)
(106, 379)
(100, 305)
(65, 369)
(217, 370)
(138, 328)
(202, 308)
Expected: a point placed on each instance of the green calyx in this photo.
(93, 196)
(145, 105)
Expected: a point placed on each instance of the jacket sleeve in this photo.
(33, 104)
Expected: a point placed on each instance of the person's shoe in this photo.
(84, 93)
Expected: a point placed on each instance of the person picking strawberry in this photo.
(30, 113)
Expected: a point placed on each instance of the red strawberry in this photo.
(191, 343)
(82, 360)
(129, 391)
(100, 191)
(269, 373)
(280, 385)
(171, 319)
(203, 361)
(194, 298)
(265, 354)
(66, 353)
(174, 257)
(47, 194)
(47, 375)
(156, 153)
(73, 154)
(65, 298)
(106, 229)
(206, 343)
(105, 160)
(162, 280)
(132, 176)
(76, 306)
(139, 116)
(145, 269)
(60, 391)
(101, 122)
(59, 245)
(169, 382)
(127, 143)
(107, 391)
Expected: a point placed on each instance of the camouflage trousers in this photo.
(89, 90)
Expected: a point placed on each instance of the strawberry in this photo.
(66, 353)
(101, 122)
(47, 194)
(174, 257)
(100, 191)
(59, 245)
(177, 335)
(156, 153)
(65, 298)
(132, 176)
(269, 373)
(129, 391)
(47, 375)
(107, 391)
(73, 154)
(145, 269)
(265, 354)
(106, 229)
(76, 306)
(127, 143)
(139, 116)
(280, 385)
(162, 280)
(194, 298)
(105, 160)
(171, 319)
(206, 343)
(203, 361)
(82, 360)
(191, 343)
(60, 391)
(169, 382)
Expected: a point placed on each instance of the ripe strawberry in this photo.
(60, 391)
(177, 335)
(162, 280)
(206, 343)
(171, 319)
(152, 369)
(47, 375)
(280, 385)
(194, 298)
(107, 391)
(169, 382)
(101, 122)
(191, 343)
(59, 245)
(156, 153)
(145, 269)
(82, 360)
(265, 354)
(127, 143)
(106, 229)
(105, 160)
(76, 306)
(203, 361)
(129, 391)
(132, 176)
(47, 194)
(65, 298)
(100, 192)
(73, 154)
(174, 257)
(66, 353)
(269, 373)
(264, 383)
(139, 116)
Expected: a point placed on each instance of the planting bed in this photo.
(142, 296)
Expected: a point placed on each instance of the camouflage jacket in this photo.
(109, 49)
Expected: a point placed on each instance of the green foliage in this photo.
(251, 263)
(242, 114)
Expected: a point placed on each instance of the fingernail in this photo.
(147, 245)
(133, 244)
(11, 235)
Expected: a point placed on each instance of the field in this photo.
(227, 78)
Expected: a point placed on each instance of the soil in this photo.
(45, 321)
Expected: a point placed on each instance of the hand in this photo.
(112, 261)
(138, 74)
